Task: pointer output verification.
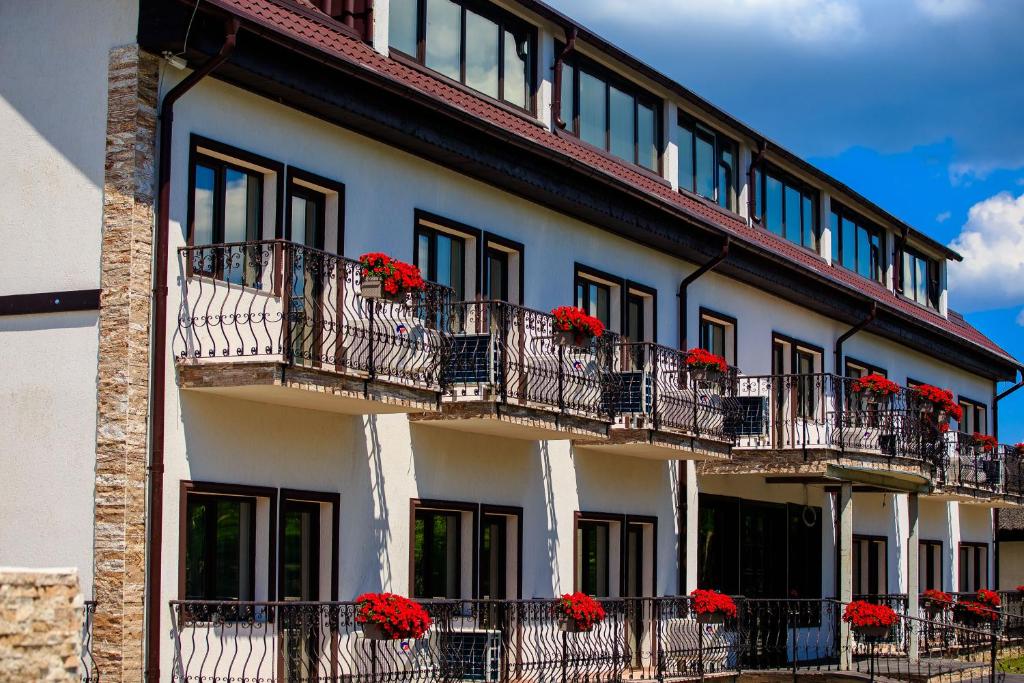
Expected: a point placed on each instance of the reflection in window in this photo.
(786, 207)
(595, 299)
(857, 245)
(610, 114)
(707, 163)
(220, 554)
(487, 50)
(919, 278)
(436, 554)
(592, 560)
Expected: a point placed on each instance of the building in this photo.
(239, 423)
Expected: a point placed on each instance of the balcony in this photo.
(815, 425)
(280, 323)
(508, 374)
(971, 472)
(662, 410)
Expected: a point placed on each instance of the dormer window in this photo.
(707, 162)
(481, 47)
(610, 113)
(786, 206)
(919, 278)
(857, 244)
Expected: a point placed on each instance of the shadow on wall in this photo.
(473, 468)
(369, 506)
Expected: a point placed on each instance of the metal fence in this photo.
(283, 302)
(87, 664)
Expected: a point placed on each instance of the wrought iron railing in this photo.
(87, 664)
(822, 411)
(652, 387)
(523, 640)
(281, 301)
(510, 354)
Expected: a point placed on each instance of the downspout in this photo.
(839, 369)
(685, 284)
(556, 96)
(682, 505)
(762, 147)
(157, 395)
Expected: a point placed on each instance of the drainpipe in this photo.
(839, 368)
(157, 395)
(762, 147)
(556, 96)
(685, 284)
(682, 504)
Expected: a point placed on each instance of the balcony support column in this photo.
(845, 571)
(913, 574)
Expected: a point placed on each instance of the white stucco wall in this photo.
(53, 110)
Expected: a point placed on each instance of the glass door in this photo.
(311, 270)
(300, 583)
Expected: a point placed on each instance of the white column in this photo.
(825, 226)
(670, 159)
(743, 197)
(692, 517)
(913, 573)
(845, 569)
(379, 35)
(545, 76)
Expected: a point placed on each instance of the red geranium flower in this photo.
(942, 399)
(989, 598)
(575, 320)
(580, 609)
(877, 384)
(398, 277)
(862, 613)
(938, 597)
(399, 617)
(712, 602)
(988, 443)
(699, 359)
(1019, 448)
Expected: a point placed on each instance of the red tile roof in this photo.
(324, 34)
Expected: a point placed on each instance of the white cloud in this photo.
(799, 21)
(943, 217)
(946, 10)
(1020, 318)
(991, 275)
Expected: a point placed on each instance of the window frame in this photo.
(620, 561)
(925, 550)
(319, 497)
(512, 512)
(872, 539)
(979, 409)
(869, 368)
(933, 288)
(981, 549)
(796, 346)
(506, 21)
(721, 142)
(625, 287)
(471, 248)
(860, 223)
(511, 248)
(761, 172)
(641, 96)
(708, 315)
(297, 176)
(217, 490)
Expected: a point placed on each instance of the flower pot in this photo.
(710, 618)
(934, 610)
(872, 631)
(375, 632)
(571, 338)
(707, 375)
(372, 288)
(571, 626)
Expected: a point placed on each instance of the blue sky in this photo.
(917, 104)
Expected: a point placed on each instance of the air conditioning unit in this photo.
(471, 655)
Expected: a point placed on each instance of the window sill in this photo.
(528, 115)
(646, 172)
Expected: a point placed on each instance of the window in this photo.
(919, 278)
(503, 269)
(595, 298)
(493, 557)
(870, 565)
(930, 565)
(856, 369)
(437, 554)
(315, 211)
(497, 275)
(220, 547)
(442, 257)
(857, 244)
(792, 357)
(973, 567)
(477, 45)
(718, 334)
(975, 417)
(593, 558)
(786, 207)
(707, 162)
(308, 546)
(635, 328)
(227, 202)
(610, 113)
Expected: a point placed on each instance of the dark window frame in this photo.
(860, 223)
(489, 242)
(872, 539)
(510, 511)
(455, 230)
(933, 287)
(709, 315)
(577, 62)
(297, 174)
(980, 409)
(221, 490)
(761, 172)
(806, 389)
(721, 142)
(506, 22)
(926, 545)
(319, 497)
(983, 582)
(870, 367)
(623, 520)
(448, 506)
(586, 274)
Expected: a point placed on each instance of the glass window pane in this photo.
(773, 205)
(195, 551)
(593, 119)
(423, 255)
(646, 135)
(443, 268)
(241, 206)
(517, 60)
(793, 209)
(568, 95)
(684, 139)
(907, 275)
(402, 25)
(705, 167)
(458, 263)
(621, 107)
(810, 232)
(876, 257)
(482, 54)
(580, 296)
(921, 281)
(202, 228)
(726, 179)
(301, 208)
(863, 252)
(444, 26)
(849, 244)
(604, 305)
(833, 224)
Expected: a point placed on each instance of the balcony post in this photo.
(913, 575)
(287, 277)
(845, 570)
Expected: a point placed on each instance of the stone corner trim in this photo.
(123, 365)
(41, 612)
